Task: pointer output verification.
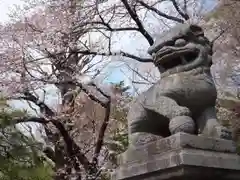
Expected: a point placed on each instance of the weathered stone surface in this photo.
(184, 98)
(188, 173)
(180, 156)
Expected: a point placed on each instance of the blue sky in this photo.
(210, 4)
(115, 76)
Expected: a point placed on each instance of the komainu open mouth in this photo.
(170, 58)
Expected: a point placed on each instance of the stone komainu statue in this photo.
(184, 99)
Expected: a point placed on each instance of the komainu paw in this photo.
(182, 124)
(141, 138)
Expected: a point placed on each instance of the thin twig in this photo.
(173, 18)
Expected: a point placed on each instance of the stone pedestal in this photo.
(180, 157)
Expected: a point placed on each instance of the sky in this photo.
(5, 6)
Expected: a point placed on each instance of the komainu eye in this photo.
(180, 42)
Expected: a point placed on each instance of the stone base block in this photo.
(178, 157)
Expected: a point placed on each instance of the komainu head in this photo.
(182, 48)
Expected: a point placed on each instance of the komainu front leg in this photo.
(140, 128)
(179, 117)
(208, 125)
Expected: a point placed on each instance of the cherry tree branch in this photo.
(140, 75)
(43, 107)
(106, 105)
(29, 119)
(103, 127)
(89, 52)
(106, 26)
(160, 13)
(72, 148)
(177, 7)
(135, 17)
(121, 53)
